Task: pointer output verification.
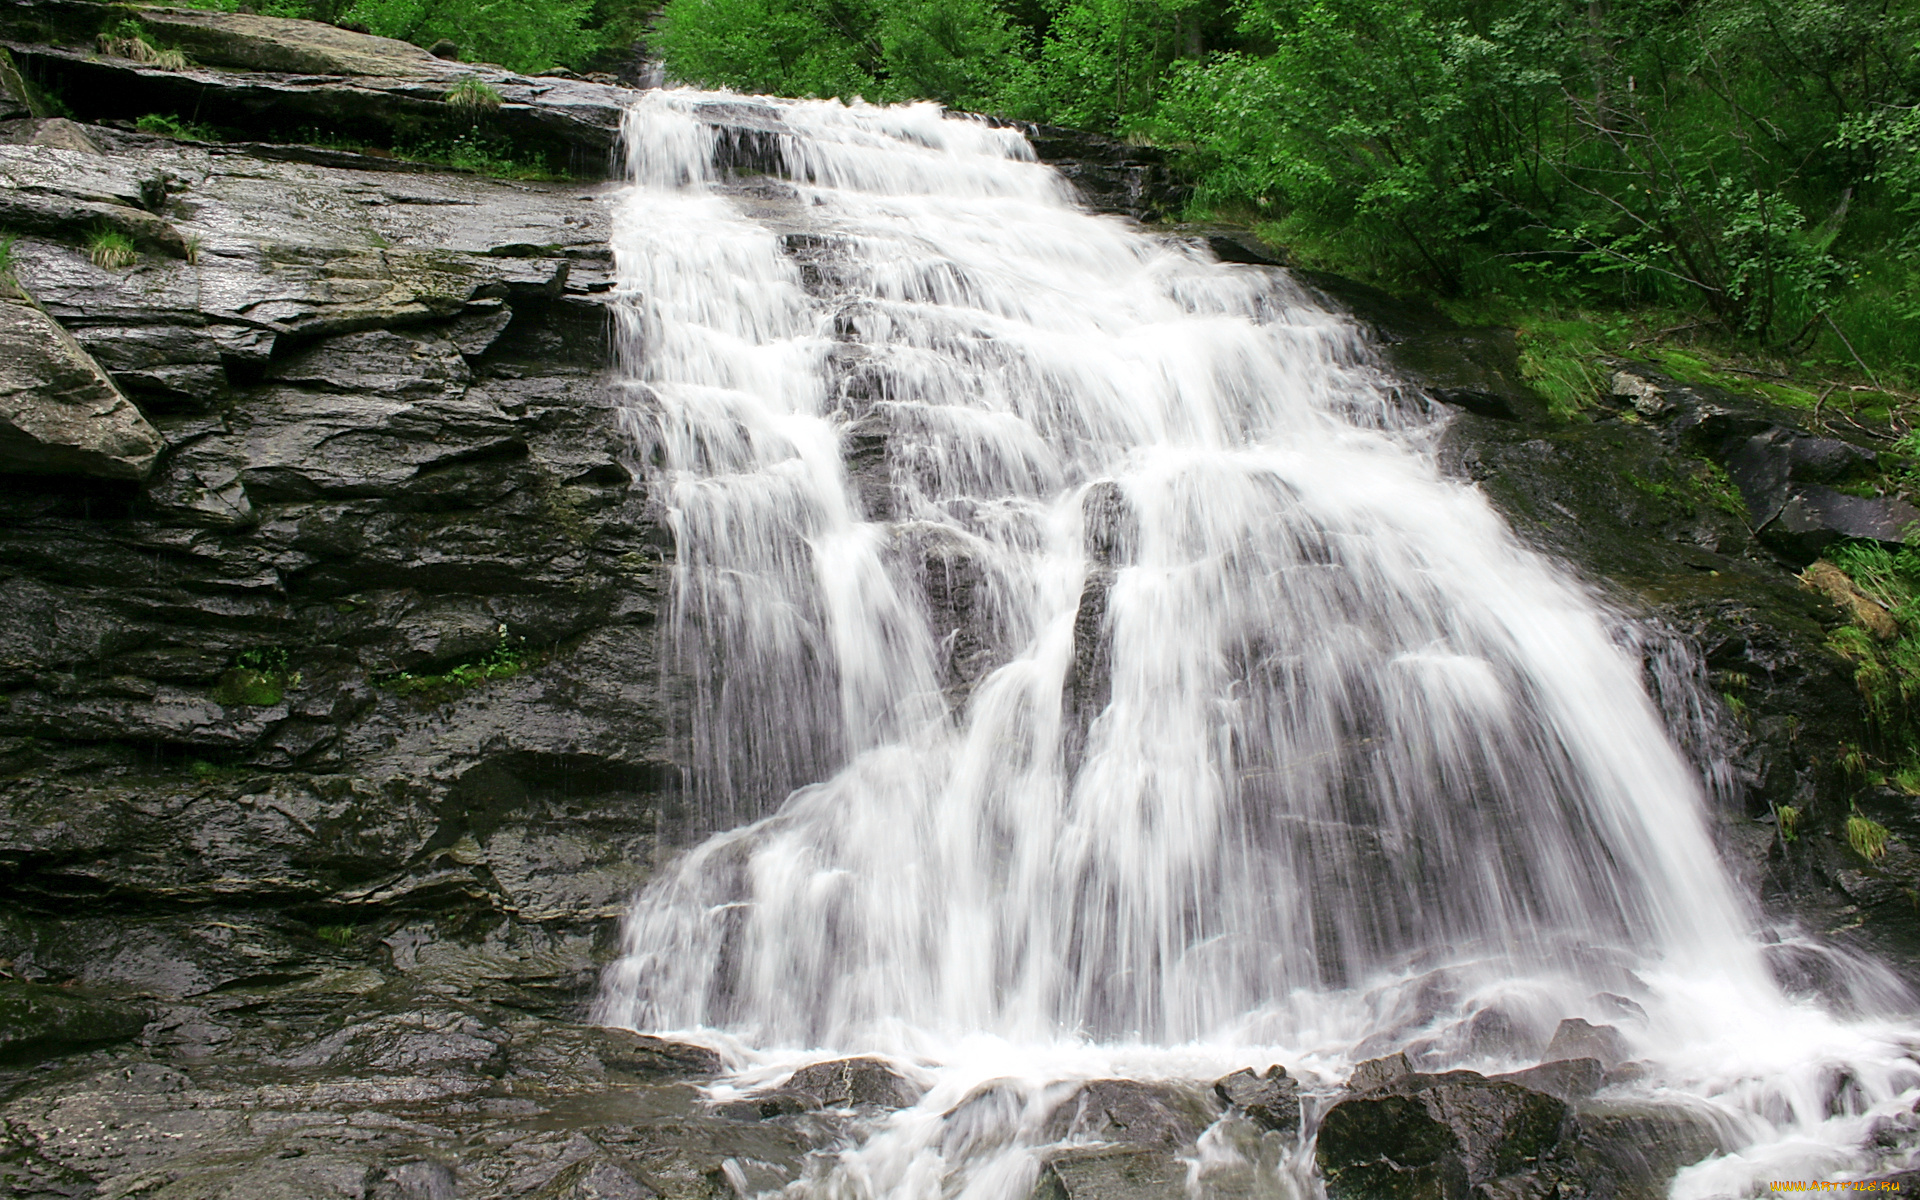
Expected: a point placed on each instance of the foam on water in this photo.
(1144, 700)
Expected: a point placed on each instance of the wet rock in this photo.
(55, 132)
(1569, 1079)
(1435, 1136)
(38, 1022)
(422, 1180)
(1576, 1038)
(597, 1178)
(1108, 175)
(1494, 1033)
(592, 1052)
(1814, 517)
(1477, 370)
(59, 412)
(1157, 1116)
(855, 1083)
(1633, 1150)
(1271, 1101)
(1117, 1173)
(768, 1106)
(1376, 1074)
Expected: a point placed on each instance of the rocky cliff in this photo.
(335, 728)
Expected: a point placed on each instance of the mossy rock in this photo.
(38, 1022)
(258, 688)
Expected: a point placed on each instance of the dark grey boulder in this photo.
(1461, 1136)
(1570, 1079)
(1435, 1136)
(1376, 1074)
(1814, 517)
(1632, 1150)
(1271, 1100)
(856, 1083)
(1577, 1038)
(1157, 1116)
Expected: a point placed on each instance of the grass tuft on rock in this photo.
(474, 95)
(130, 41)
(111, 249)
(168, 125)
(1867, 837)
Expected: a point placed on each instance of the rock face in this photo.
(59, 412)
(334, 737)
(276, 78)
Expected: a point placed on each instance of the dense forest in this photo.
(1743, 170)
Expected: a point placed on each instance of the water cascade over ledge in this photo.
(1099, 677)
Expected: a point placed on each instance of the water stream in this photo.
(1097, 676)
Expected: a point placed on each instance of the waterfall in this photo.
(1096, 673)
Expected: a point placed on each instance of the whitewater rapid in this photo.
(1096, 675)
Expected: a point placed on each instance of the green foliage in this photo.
(168, 125)
(6, 253)
(509, 657)
(524, 37)
(959, 52)
(260, 677)
(478, 152)
(474, 95)
(111, 249)
(1789, 823)
(335, 935)
(1887, 674)
(1867, 837)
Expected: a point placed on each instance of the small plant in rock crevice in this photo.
(340, 936)
(1886, 672)
(508, 657)
(260, 678)
(168, 125)
(111, 249)
(129, 40)
(1867, 837)
(474, 95)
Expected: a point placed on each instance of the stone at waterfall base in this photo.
(1403, 1135)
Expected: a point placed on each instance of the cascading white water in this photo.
(1148, 699)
